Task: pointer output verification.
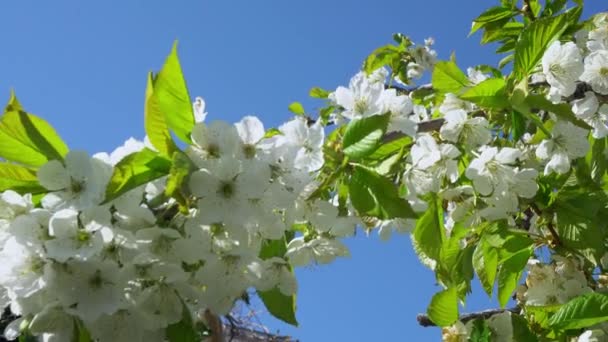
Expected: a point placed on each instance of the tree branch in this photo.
(425, 321)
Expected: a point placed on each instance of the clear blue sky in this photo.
(82, 66)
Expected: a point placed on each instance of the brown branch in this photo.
(214, 324)
(425, 321)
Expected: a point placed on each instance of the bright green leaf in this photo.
(319, 93)
(296, 108)
(443, 309)
(362, 136)
(509, 274)
(429, 233)
(448, 78)
(390, 148)
(19, 178)
(155, 122)
(489, 93)
(581, 312)
(580, 220)
(561, 110)
(375, 195)
(181, 167)
(172, 94)
(485, 261)
(28, 139)
(491, 15)
(136, 169)
(534, 41)
(380, 57)
(480, 331)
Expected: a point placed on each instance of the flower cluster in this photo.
(481, 175)
(127, 271)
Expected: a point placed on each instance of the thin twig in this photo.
(425, 321)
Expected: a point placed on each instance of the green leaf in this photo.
(362, 136)
(185, 330)
(19, 178)
(518, 125)
(485, 262)
(598, 159)
(489, 93)
(491, 15)
(81, 334)
(581, 312)
(279, 305)
(502, 32)
(443, 310)
(296, 108)
(521, 330)
(534, 41)
(380, 57)
(181, 167)
(392, 147)
(429, 233)
(509, 274)
(480, 331)
(506, 60)
(136, 169)
(448, 78)
(28, 139)
(561, 110)
(172, 94)
(319, 93)
(156, 123)
(374, 195)
(580, 220)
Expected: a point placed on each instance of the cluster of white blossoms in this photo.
(564, 66)
(554, 283)
(126, 269)
(127, 272)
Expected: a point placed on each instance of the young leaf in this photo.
(448, 78)
(319, 93)
(491, 15)
(296, 108)
(598, 160)
(172, 94)
(518, 125)
(580, 218)
(136, 169)
(28, 139)
(509, 274)
(480, 331)
(19, 178)
(429, 233)
(534, 41)
(380, 57)
(581, 312)
(279, 305)
(561, 110)
(443, 309)
(485, 262)
(178, 175)
(362, 136)
(156, 123)
(489, 93)
(374, 195)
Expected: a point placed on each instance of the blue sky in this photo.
(82, 66)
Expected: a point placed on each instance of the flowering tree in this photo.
(497, 173)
